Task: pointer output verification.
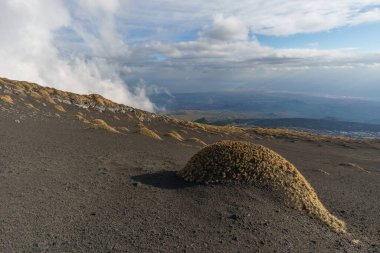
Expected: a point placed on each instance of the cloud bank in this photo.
(224, 55)
(98, 46)
(272, 17)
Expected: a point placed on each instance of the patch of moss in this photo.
(227, 161)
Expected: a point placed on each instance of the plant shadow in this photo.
(163, 180)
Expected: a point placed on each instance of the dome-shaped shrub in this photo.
(235, 161)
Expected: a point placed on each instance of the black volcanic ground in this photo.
(69, 186)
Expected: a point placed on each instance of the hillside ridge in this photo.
(34, 96)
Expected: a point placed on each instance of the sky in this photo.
(129, 49)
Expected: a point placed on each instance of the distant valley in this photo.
(269, 105)
(320, 126)
(336, 116)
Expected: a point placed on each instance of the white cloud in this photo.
(225, 29)
(365, 17)
(106, 5)
(206, 65)
(29, 52)
(273, 17)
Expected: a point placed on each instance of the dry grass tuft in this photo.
(35, 95)
(99, 123)
(123, 129)
(60, 108)
(296, 135)
(44, 93)
(175, 135)
(81, 118)
(227, 161)
(141, 129)
(50, 94)
(227, 130)
(6, 99)
(140, 124)
(129, 117)
(198, 141)
(46, 96)
(30, 106)
(50, 100)
(258, 132)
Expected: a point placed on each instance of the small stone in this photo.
(234, 216)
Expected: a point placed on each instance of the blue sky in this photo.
(364, 37)
(127, 49)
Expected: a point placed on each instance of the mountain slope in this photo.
(84, 174)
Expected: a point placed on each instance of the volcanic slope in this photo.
(79, 173)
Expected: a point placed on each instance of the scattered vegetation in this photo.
(175, 135)
(60, 108)
(98, 102)
(197, 140)
(123, 129)
(35, 95)
(7, 99)
(295, 135)
(81, 118)
(46, 96)
(141, 129)
(99, 123)
(38, 92)
(129, 117)
(227, 130)
(30, 106)
(227, 161)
